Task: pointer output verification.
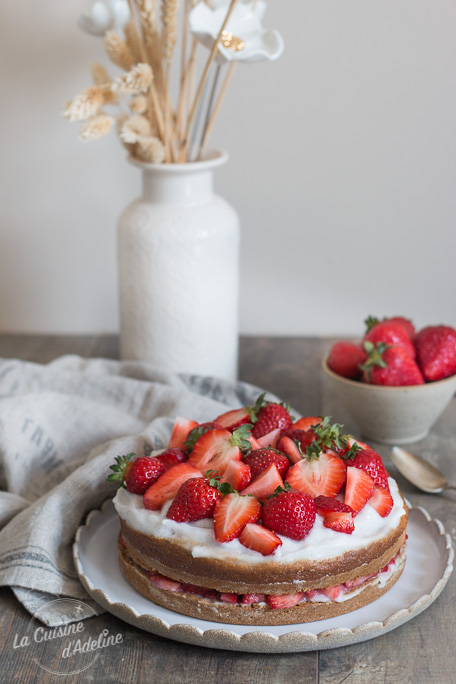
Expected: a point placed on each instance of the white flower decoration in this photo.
(245, 39)
(105, 15)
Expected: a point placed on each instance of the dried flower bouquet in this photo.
(141, 39)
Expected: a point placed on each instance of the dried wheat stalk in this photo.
(137, 80)
(150, 149)
(86, 104)
(117, 51)
(169, 29)
(95, 128)
(133, 128)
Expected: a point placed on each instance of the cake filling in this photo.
(338, 593)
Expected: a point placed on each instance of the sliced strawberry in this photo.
(181, 428)
(323, 475)
(284, 600)
(307, 422)
(270, 439)
(332, 592)
(229, 598)
(260, 459)
(352, 440)
(248, 599)
(265, 484)
(237, 474)
(233, 419)
(337, 515)
(254, 443)
(301, 439)
(358, 489)
(381, 500)
(259, 538)
(167, 485)
(165, 582)
(172, 456)
(216, 448)
(196, 432)
(232, 514)
(291, 449)
(370, 461)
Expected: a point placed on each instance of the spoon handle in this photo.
(450, 486)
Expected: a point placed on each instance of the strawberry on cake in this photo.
(255, 519)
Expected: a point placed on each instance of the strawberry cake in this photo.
(254, 519)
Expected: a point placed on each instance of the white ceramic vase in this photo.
(178, 264)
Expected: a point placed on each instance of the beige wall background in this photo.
(343, 167)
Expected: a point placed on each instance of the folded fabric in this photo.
(61, 426)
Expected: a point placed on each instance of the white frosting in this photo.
(321, 543)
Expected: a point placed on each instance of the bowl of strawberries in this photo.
(395, 381)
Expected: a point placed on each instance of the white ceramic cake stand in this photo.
(427, 569)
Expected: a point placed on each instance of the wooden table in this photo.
(420, 651)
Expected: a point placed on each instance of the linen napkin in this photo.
(61, 426)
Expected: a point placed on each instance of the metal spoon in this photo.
(419, 472)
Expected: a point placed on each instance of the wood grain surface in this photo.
(420, 652)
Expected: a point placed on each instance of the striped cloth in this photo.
(61, 425)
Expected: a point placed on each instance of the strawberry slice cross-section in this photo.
(233, 513)
(216, 448)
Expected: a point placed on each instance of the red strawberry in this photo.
(265, 484)
(181, 428)
(319, 473)
(345, 358)
(259, 538)
(232, 513)
(284, 600)
(306, 422)
(248, 599)
(436, 352)
(233, 419)
(405, 322)
(167, 485)
(229, 598)
(382, 501)
(359, 488)
(172, 456)
(337, 515)
(371, 462)
(304, 437)
(195, 500)
(216, 448)
(260, 459)
(391, 366)
(237, 474)
(196, 432)
(270, 439)
(138, 474)
(289, 512)
(269, 417)
(390, 333)
(165, 582)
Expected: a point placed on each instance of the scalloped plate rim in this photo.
(222, 636)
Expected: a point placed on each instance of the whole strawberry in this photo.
(405, 322)
(392, 366)
(370, 461)
(136, 475)
(390, 333)
(436, 352)
(345, 358)
(289, 512)
(260, 459)
(269, 416)
(195, 500)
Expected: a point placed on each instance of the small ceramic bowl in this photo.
(393, 415)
